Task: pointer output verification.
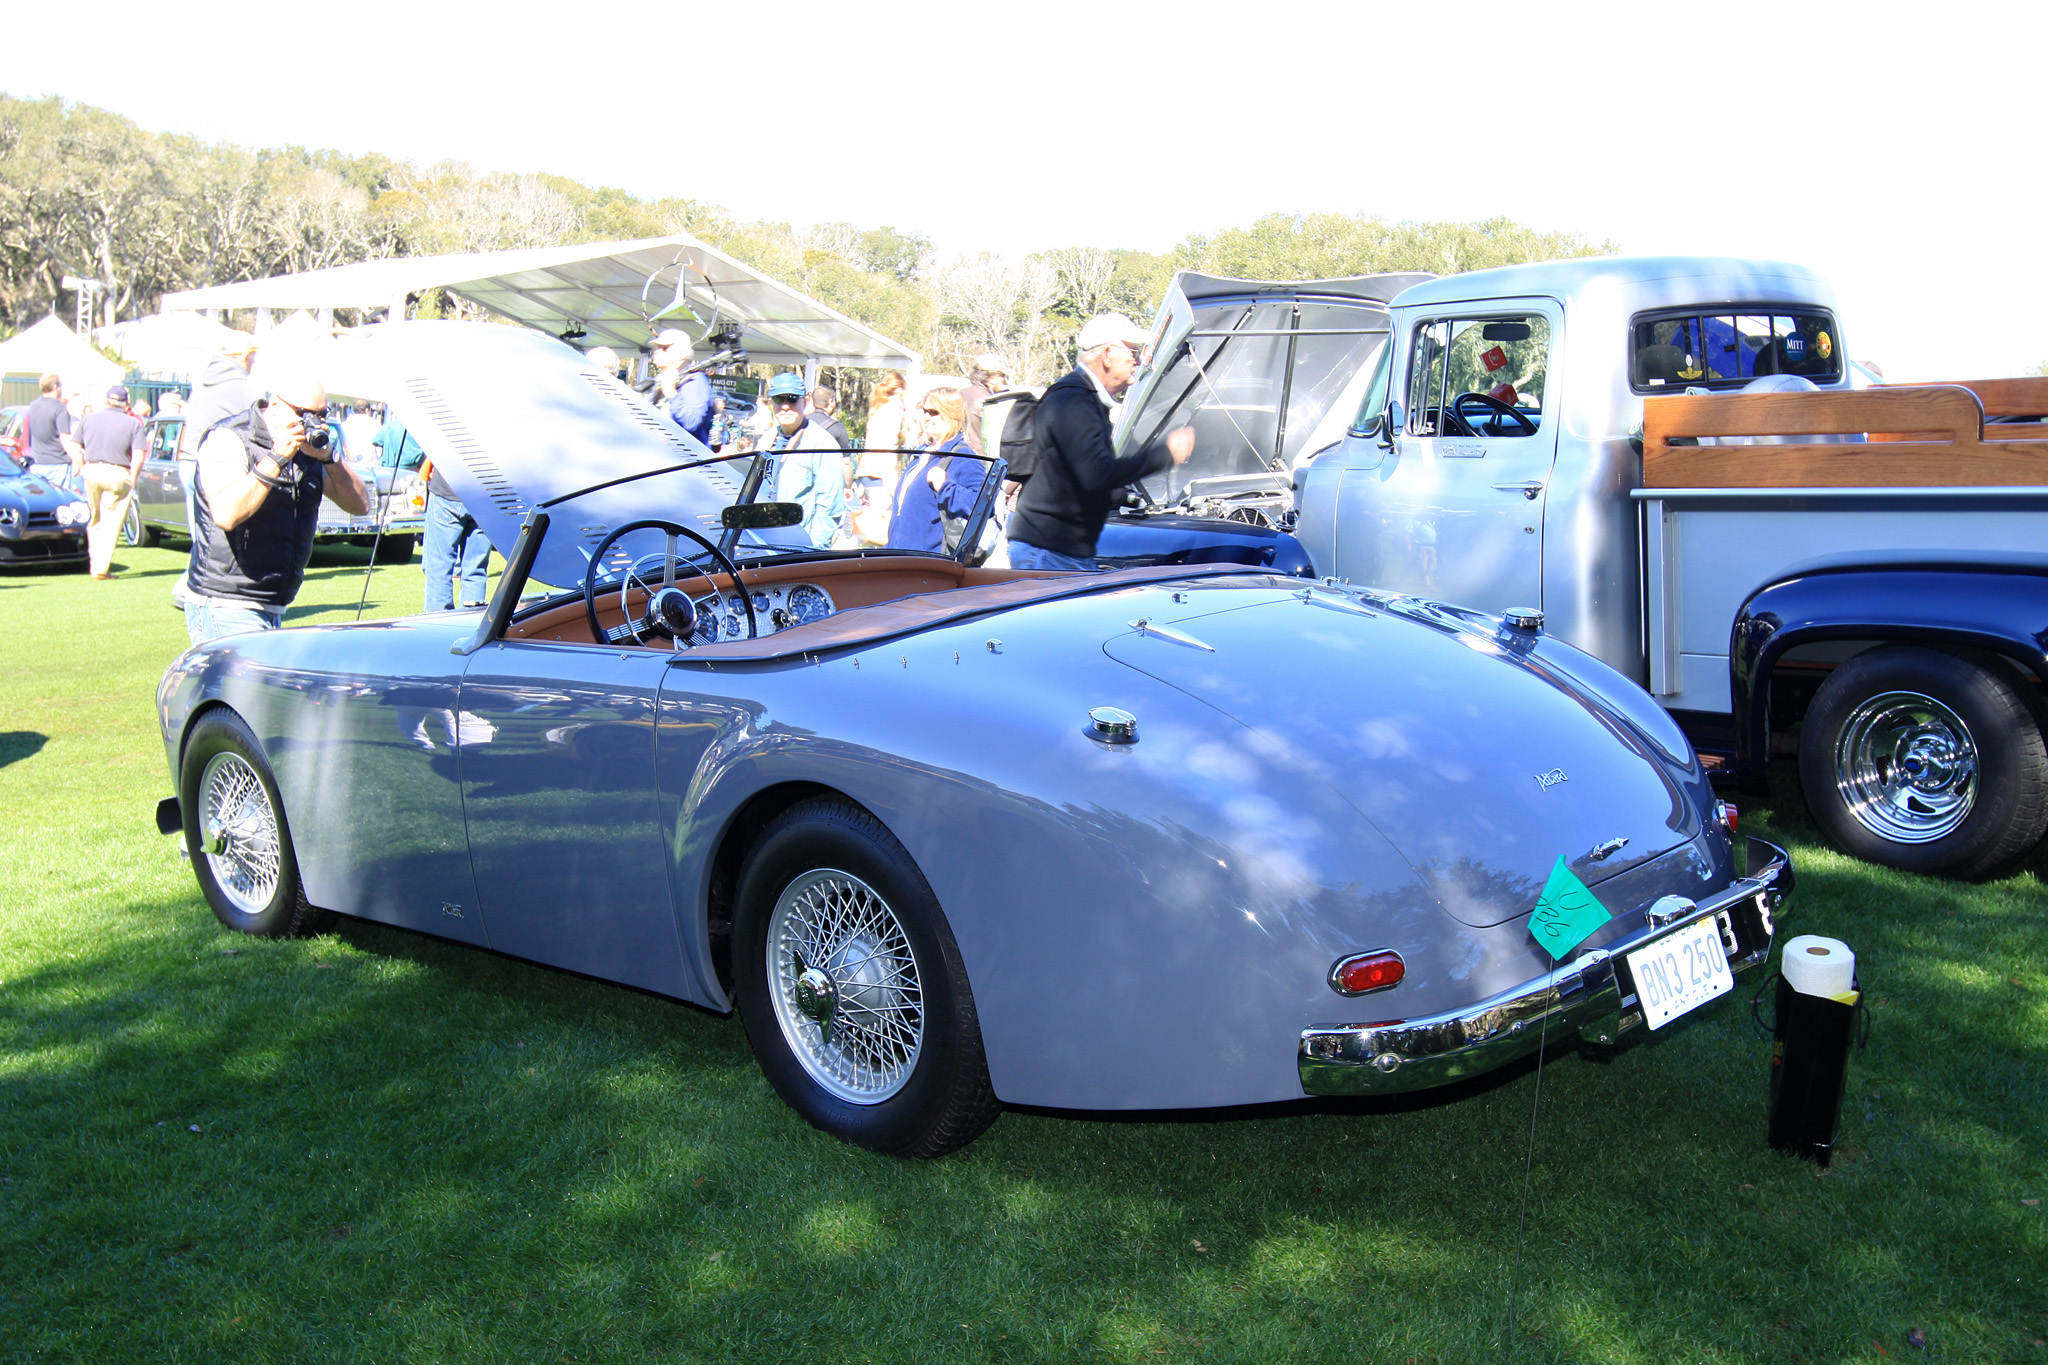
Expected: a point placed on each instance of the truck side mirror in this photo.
(1389, 423)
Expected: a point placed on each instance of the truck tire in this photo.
(1923, 760)
(395, 549)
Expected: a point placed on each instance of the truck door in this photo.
(1472, 459)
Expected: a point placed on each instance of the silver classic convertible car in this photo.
(948, 837)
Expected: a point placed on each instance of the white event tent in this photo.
(166, 345)
(598, 293)
(51, 346)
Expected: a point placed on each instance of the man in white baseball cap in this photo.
(1060, 513)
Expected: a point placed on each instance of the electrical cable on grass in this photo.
(1528, 1171)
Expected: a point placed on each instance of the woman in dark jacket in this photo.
(936, 485)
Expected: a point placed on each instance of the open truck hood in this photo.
(1267, 373)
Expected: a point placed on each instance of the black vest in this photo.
(264, 559)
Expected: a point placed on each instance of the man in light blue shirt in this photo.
(810, 468)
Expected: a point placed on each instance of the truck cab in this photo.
(1665, 459)
(1492, 457)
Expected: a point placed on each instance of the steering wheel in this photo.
(670, 612)
(1506, 410)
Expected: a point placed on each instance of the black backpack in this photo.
(1019, 432)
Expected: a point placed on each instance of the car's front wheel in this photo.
(235, 831)
(851, 987)
(134, 531)
(1926, 761)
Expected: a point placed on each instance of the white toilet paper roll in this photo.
(1813, 965)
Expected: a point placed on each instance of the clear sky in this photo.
(1894, 148)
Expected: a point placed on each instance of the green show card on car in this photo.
(1567, 913)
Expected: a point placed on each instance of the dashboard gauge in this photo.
(761, 601)
(808, 603)
(733, 625)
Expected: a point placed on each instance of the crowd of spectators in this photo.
(912, 479)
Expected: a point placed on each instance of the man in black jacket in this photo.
(1060, 513)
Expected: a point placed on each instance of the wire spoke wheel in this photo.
(851, 987)
(845, 985)
(1906, 767)
(238, 832)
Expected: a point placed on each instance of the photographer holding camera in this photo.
(256, 503)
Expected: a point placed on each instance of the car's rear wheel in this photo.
(235, 830)
(851, 986)
(134, 531)
(1927, 761)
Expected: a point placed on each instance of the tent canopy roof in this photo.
(51, 346)
(604, 289)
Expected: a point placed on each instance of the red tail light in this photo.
(1366, 973)
(1728, 815)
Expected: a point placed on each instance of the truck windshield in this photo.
(1725, 349)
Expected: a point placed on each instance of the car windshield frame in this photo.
(746, 548)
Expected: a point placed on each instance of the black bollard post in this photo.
(1816, 1014)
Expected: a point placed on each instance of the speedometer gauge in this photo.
(808, 603)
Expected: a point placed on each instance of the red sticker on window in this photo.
(1496, 359)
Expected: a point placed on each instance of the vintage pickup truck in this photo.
(1858, 575)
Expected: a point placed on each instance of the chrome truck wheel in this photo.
(1926, 761)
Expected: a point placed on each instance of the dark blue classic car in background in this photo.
(41, 520)
(950, 837)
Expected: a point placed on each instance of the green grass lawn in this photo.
(377, 1147)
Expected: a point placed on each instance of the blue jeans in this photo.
(455, 550)
(1023, 556)
(209, 618)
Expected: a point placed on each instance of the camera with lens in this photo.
(317, 435)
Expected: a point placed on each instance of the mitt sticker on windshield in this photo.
(1567, 913)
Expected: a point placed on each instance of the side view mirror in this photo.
(758, 516)
(1390, 422)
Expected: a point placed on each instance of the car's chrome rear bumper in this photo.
(1591, 995)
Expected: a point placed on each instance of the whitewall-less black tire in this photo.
(851, 987)
(1927, 761)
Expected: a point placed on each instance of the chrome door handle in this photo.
(1528, 490)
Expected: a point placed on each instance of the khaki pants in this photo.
(107, 487)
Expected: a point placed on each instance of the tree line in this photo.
(87, 192)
